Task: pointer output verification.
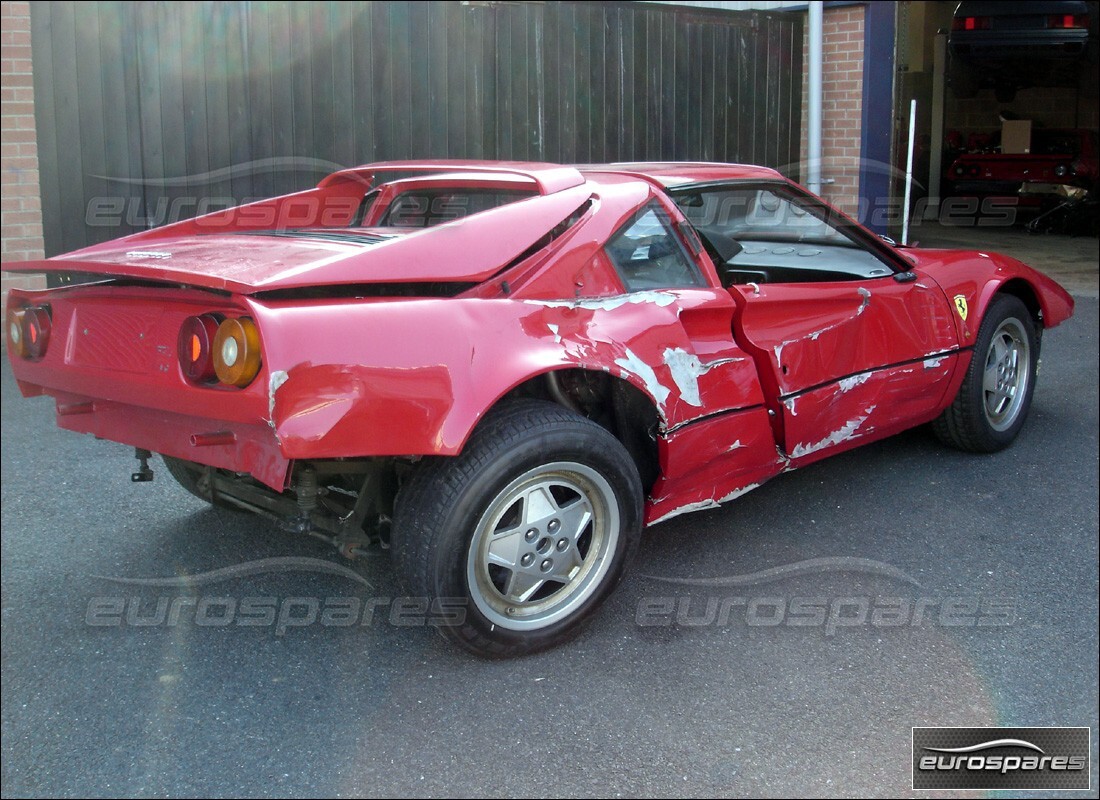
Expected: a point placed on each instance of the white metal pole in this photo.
(939, 81)
(909, 172)
(813, 100)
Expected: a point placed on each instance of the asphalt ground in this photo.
(800, 671)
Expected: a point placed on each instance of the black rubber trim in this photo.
(831, 381)
(707, 417)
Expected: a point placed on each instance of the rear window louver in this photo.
(348, 237)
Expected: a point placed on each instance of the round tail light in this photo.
(29, 331)
(237, 352)
(195, 348)
(17, 342)
(36, 331)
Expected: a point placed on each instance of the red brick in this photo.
(20, 189)
(25, 244)
(21, 220)
(12, 109)
(17, 80)
(19, 217)
(21, 163)
(25, 135)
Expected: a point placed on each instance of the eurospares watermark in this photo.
(187, 604)
(1001, 758)
(724, 601)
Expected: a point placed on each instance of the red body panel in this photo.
(1079, 163)
(841, 358)
(745, 382)
(977, 276)
(1020, 168)
(211, 253)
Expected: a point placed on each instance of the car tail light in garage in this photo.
(970, 24)
(1068, 21)
(29, 331)
(236, 351)
(195, 347)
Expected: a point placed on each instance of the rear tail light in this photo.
(970, 24)
(237, 351)
(1068, 21)
(195, 347)
(36, 331)
(29, 331)
(14, 326)
(212, 348)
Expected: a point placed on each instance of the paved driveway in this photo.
(897, 585)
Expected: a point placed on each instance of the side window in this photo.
(369, 199)
(649, 255)
(782, 239)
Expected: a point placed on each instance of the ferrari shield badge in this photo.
(960, 306)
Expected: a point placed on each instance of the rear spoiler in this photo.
(548, 178)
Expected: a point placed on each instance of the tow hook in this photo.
(144, 474)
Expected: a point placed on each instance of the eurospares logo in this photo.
(1001, 758)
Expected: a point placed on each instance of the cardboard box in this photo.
(1016, 136)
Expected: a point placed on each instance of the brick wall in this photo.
(841, 107)
(20, 201)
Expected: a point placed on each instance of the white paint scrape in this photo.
(686, 369)
(635, 366)
(738, 492)
(277, 379)
(610, 303)
(847, 384)
(702, 505)
(699, 506)
(848, 431)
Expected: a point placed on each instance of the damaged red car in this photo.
(504, 371)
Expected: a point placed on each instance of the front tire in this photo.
(995, 396)
(529, 529)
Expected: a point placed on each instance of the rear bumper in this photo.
(111, 367)
(980, 187)
(1052, 44)
(235, 446)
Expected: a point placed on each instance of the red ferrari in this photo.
(503, 371)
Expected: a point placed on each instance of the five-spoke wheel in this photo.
(527, 530)
(993, 400)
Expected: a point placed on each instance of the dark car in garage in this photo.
(1010, 46)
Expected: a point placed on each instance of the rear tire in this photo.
(528, 530)
(188, 474)
(995, 396)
